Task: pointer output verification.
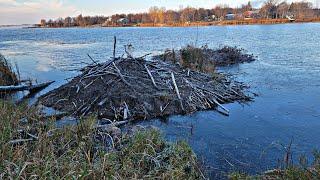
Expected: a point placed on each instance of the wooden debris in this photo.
(177, 90)
(150, 88)
(151, 77)
(117, 124)
(20, 141)
(30, 88)
(114, 47)
(121, 76)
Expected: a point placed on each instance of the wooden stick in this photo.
(225, 109)
(121, 76)
(165, 107)
(126, 111)
(90, 106)
(177, 90)
(95, 62)
(126, 51)
(151, 77)
(114, 47)
(144, 56)
(19, 141)
(117, 123)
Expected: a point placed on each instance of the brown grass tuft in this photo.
(7, 74)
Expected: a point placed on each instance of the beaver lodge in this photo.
(136, 88)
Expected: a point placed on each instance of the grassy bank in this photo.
(304, 170)
(32, 147)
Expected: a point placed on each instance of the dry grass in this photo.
(302, 171)
(190, 57)
(81, 152)
(196, 59)
(7, 74)
(204, 59)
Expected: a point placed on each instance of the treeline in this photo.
(74, 21)
(271, 9)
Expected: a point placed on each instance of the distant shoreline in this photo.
(233, 22)
(18, 25)
(193, 24)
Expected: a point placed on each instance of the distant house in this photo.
(251, 14)
(123, 21)
(213, 17)
(210, 18)
(50, 23)
(107, 22)
(230, 17)
(290, 18)
(43, 23)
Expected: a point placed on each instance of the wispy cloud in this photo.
(30, 11)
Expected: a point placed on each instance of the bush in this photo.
(7, 74)
(196, 59)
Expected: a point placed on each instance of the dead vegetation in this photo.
(304, 170)
(288, 168)
(7, 75)
(10, 81)
(205, 59)
(34, 148)
(135, 88)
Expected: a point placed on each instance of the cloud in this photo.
(31, 11)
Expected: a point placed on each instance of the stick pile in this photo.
(134, 88)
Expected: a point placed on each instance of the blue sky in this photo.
(31, 11)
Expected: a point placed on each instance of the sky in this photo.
(31, 11)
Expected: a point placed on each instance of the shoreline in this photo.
(197, 24)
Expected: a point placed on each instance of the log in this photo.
(151, 77)
(19, 141)
(177, 90)
(126, 111)
(116, 124)
(31, 88)
(114, 47)
(95, 62)
(226, 111)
